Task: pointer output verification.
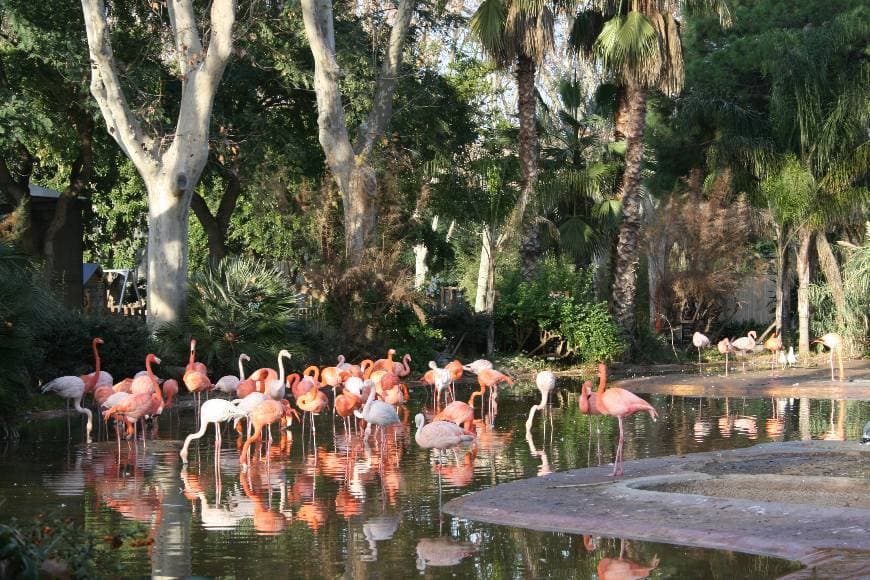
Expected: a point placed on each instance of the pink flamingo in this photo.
(458, 412)
(439, 435)
(263, 415)
(195, 378)
(745, 344)
(588, 402)
(402, 369)
(98, 377)
(725, 347)
(384, 364)
(619, 403)
(489, 378)
(135, 407)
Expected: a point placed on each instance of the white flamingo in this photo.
(745, 344)
(276, 388)
(475, 367)
(72, 389)
(229, 383)
(212, 411)
(546, 382)
(725, 347)
(378, 413)
(833, 341)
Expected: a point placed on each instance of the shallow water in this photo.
(344, 507)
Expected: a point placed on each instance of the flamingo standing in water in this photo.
(263, 415)
(700, 341)
(402, 369)
(73, 388)
(834, 342)
(489, 378)
(195, 378)
(214, 411)
(136, 406)
(619, 403)
(725, 347)
(745, 344)
(588, 400)
(546, 382)
(439, 435)
(275, 388)
(460, 413)
(378, 413)
(384, 364)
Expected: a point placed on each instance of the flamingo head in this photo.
(244, 357)
(152, 358)
(753, 334)
(192, 344)
(419, 419)
(285, 353)
(98, 341)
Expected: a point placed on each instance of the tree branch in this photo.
(187, 42)
(382, 105)
(317, 17)
(106, 89)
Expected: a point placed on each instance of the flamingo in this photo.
(229, 383)
(725, 347)
(455, 369)
(774, 345)
(378, 413)
(458, 412)
(312, 402)
(546, 382)
(262, 415)
(214, 411)
(275, 388)
(345, 404)
(700, 341)
(98, 377)
(170, 391)
(790, 358)
(72, 389)
(247, 404)
(402, 369)
(745, 344)
(439, 435)
(477, 366)
(619, 403)
(489, 378)
(384, 364)
(834, 342)
(195, 378)
(136, 406)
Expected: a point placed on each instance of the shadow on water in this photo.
(351, 507)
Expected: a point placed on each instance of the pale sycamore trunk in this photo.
(805, 237)
(831, 268)
(420, 268)
(170, 172)
(480, 299)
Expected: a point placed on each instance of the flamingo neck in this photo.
(241, 370)
(153, 379)
(584, 398)
(602, 377)
(192, 358)
(96, 362)
(293, 380)
(281, 368)
(340, 360)
(314, 372)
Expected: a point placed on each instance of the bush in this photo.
(237, 305)
(560, 304)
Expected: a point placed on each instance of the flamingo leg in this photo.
(831, 357)
(617, 463)
(726, 363)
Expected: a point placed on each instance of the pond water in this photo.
(346, 508)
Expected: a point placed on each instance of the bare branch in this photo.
(187, 42)
(382, 106)
(106, 89)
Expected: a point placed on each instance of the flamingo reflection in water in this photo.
(442, 552)
(621, 568)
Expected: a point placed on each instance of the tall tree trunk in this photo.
(781, 252)
(490, 307)
(527, 142)
(360, 212)
(805, 237)
(657, 256)
(167, 250)
(420, 269)
(624, 291)
(483, 268)
(834, 276)
(170, 173)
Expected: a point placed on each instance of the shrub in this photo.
(235, 305)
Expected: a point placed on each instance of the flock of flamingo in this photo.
(748, 344)
(365, 395)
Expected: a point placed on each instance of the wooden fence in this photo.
(755, 299)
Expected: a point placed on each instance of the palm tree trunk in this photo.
(530, 246)
(805, 236)
(624, 290)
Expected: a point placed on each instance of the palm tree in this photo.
(638, 44)
(519, 33)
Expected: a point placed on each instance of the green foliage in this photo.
(55, 547)
(237, 305)
(560, 302)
